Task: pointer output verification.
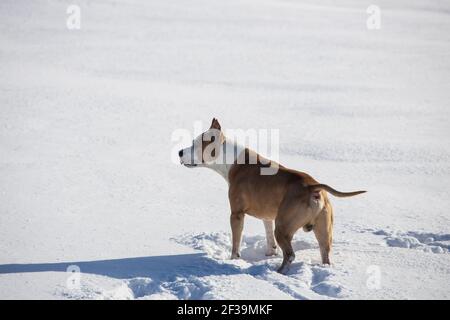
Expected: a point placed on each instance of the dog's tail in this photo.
(317, 187)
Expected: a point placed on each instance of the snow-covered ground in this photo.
(86, 176)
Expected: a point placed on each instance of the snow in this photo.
(85, 146)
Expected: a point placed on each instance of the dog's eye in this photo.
(213, 138)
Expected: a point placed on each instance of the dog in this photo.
(288, 198)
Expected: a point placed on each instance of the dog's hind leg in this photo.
(292, 215)
(284, 241)
(271, 249)
(323, 230)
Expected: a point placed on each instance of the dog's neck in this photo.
(229, 153)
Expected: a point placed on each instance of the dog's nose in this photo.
(180, 153)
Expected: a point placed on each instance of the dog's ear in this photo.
(215, 124)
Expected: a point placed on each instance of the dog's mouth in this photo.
(188, 165)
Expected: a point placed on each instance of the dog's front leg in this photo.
(237, 225)
(271, 249)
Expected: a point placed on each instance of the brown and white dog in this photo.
(291, 198)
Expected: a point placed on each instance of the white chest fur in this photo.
(229, 152)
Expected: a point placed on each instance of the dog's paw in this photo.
(283, 269)
(235, 256)
(271, 251)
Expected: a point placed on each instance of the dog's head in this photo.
(205, 148)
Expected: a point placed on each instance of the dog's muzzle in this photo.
(189, 165)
